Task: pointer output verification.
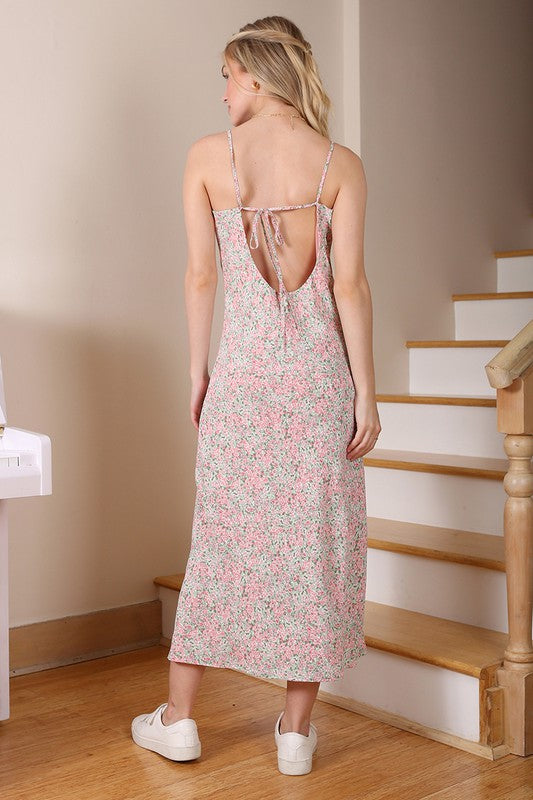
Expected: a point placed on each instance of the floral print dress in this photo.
(276, 576)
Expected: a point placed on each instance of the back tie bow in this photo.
(274, 221)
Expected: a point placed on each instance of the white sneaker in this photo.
(295, 751)
(178, 741)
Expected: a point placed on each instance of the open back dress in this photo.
(276, 576)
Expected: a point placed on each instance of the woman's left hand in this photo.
(368, 427)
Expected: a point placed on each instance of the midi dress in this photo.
(276, 575)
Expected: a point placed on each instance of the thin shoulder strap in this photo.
(324, 171)
(234, 170)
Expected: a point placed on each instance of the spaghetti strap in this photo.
(324, 171)
(234, 170)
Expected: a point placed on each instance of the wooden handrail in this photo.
(510, 372)
(512, 360)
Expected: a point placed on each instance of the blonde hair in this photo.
(275, 52)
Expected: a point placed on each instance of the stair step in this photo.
(456, 646)
(170, 581)
(443, 463)
(444, 544)
(493, 296)
(457, 343)
(438, 399)
(499, 314)
(514, 271)
(460, 425)
(453, 366)
(512, 253)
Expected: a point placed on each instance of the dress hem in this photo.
(360, 653)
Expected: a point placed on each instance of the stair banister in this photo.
(510, 372)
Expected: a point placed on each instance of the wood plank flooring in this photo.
(69, 737)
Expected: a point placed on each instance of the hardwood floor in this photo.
(69, 737)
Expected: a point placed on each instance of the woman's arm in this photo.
(201, 274)
(352, 295)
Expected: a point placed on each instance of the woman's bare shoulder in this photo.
(349, 172)
(347, 159)
(204, 155)
(209, 142)
(348, 179)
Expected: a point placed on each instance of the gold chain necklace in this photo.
(280, 114)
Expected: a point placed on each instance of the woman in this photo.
(276, 576)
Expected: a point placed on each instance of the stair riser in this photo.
(449, 501)
(514, 274)
(491, 319)
(450, 370)
(429, 695)
(464, 593)
(463, 430)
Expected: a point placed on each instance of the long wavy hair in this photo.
(275, 52)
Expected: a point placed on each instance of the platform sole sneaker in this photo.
(178, 741)
(295, 751)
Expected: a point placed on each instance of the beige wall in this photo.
(102, 100)
(447, 134)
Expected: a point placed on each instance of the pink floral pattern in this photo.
(276, 577)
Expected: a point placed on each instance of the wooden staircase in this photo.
(436, 614)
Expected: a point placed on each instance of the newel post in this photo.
(511, 373)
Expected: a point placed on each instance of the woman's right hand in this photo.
(198, 392)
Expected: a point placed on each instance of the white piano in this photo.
(25, 471)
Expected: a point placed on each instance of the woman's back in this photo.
(273, 168)
(286, 317)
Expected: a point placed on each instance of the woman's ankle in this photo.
(172, 714)
(286, 725)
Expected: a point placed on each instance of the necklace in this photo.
(280, 114)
